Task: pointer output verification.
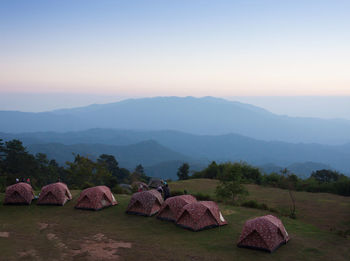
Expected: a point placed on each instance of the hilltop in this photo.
(63, 233)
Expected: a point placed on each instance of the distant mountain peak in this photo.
(197, 115)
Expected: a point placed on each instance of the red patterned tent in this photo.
(263, 233)
(145, 203)
(155, 183)
(20, 193)
(96, 198)
(200, 215)
(54, 194)
(139, 184)
(172, 207)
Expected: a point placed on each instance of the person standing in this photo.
(166, 191)
(160, 189)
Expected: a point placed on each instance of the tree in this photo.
(112, 165)
(139, 169)
(230, 187)
(44, 175)
(250, 174)
(325, 175)
(2, 173)
(183, 171)
(110, 161)
(84, 172)
(212, 171)
(2, 150)
(289, 178)
(230, 190)
(139, 175)
(18, 163)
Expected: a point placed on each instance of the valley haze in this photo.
(163, 132)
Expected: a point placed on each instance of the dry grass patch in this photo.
(100, 248)
(324, 210)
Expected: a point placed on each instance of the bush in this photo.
(202, 196)
(87, 185)
(344, 233)
(254, 204)
(292, 215)
(176, 193)
(134, 188)
(119, 190)
(2, 184)
(231, 191)
(250, 204)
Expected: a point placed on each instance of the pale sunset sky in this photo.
(121, 49)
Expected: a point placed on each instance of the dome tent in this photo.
(171, 208)
(145, 203)
(200, 215)
(20, 193)
(263, 233)
(155, 183)
(54, 194)
(139, 184)
(96, 198)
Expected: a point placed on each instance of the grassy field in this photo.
(63, 233)
(323, 210)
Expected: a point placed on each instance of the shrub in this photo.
(231, 191)
(2, 184)
(119, 190)
(250, 204)
(255, 204)
(343, 233)
(87, 185)
(202, 196)
(134, 188)
(176, 193)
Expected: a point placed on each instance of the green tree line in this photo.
(17, 163)
(231, 174)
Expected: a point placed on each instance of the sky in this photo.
(73, 51)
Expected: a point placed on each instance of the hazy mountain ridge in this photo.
(146, 152)
(199, 148)
(303, 169)
(204, 116)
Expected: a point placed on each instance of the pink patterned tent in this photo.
(96, 198)
(200, 215)
(172, 207)
(54, 194)
(145, 203)
(20, 193)
(139, 184)
(263, 233)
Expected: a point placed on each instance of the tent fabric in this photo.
(171, 208)
(264, 233)
(20, 193)
(138, 184)
(54, 194)
(145, 203)
(96, 198)
(200, 215)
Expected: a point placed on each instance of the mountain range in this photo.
(165, 151)
(161, 133)
(203, 116)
